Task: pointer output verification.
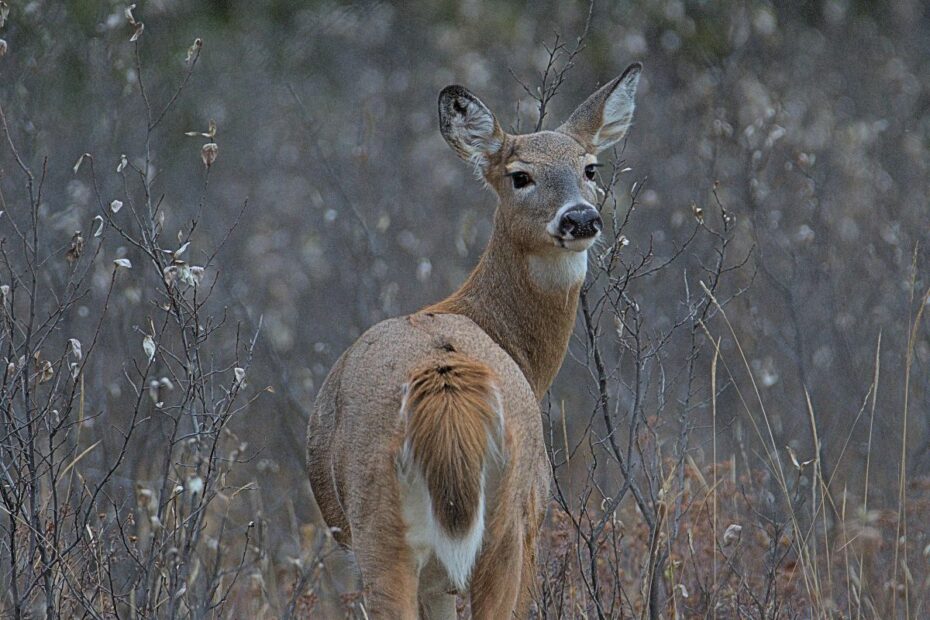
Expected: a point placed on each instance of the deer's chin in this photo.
(575, 245)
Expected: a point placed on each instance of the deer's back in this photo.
(356, 428)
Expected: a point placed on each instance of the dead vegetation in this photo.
(738, 430)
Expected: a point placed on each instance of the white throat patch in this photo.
(558, 270)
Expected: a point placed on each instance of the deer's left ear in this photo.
(469, 126)
(603, 120)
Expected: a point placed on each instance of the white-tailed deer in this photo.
(425, 447)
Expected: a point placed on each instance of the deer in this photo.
(425, 447)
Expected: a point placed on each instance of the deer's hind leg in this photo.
(495, 582)
(389, 579)
(389, 569)
(534, 518)
(436, 594)
(438, 606)
(525, 596)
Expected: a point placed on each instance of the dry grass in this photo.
(135, 477)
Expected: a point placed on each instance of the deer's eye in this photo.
(590, 170)
(520, 179)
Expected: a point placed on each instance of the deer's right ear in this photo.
(603, 120)
(469, 126)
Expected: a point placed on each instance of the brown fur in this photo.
(531, 323)
(487, 352)
(452, 414)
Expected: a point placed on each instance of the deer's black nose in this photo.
(580, 222)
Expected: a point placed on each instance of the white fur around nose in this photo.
(553, 226)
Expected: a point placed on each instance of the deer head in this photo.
(545, 181)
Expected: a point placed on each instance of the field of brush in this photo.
(202, 204)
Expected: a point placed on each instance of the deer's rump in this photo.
(360, 433)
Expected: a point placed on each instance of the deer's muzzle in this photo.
(579, 222)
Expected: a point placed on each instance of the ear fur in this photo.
(604, 118)
(469, 126)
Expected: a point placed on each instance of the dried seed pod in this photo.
(76, 249)
(148, 345)
(194, 50)
(208, 153)
(697, 212)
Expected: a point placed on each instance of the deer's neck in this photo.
(524, 302)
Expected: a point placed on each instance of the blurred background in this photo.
(810, 121)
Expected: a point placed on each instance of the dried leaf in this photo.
(697, 212)
(240, 376)
(170, 274)
(148, 345)
(798, 464)
(76, 249)
(195, 485)
(194, 50)
(196, 274)
(184, 274)
(123, 162)
(76, 348)
(208, 153)
(99, 230)
(46, 372)
(123, 262)
(181, 249)
(732, 534)
(153, 392)
(209, 133)
(137, 26)
(179, 270)
(4, 12)
(116, 205)
(4, 48)
(77, 164)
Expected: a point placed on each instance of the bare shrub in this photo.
(120, 490)
(738, 431)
